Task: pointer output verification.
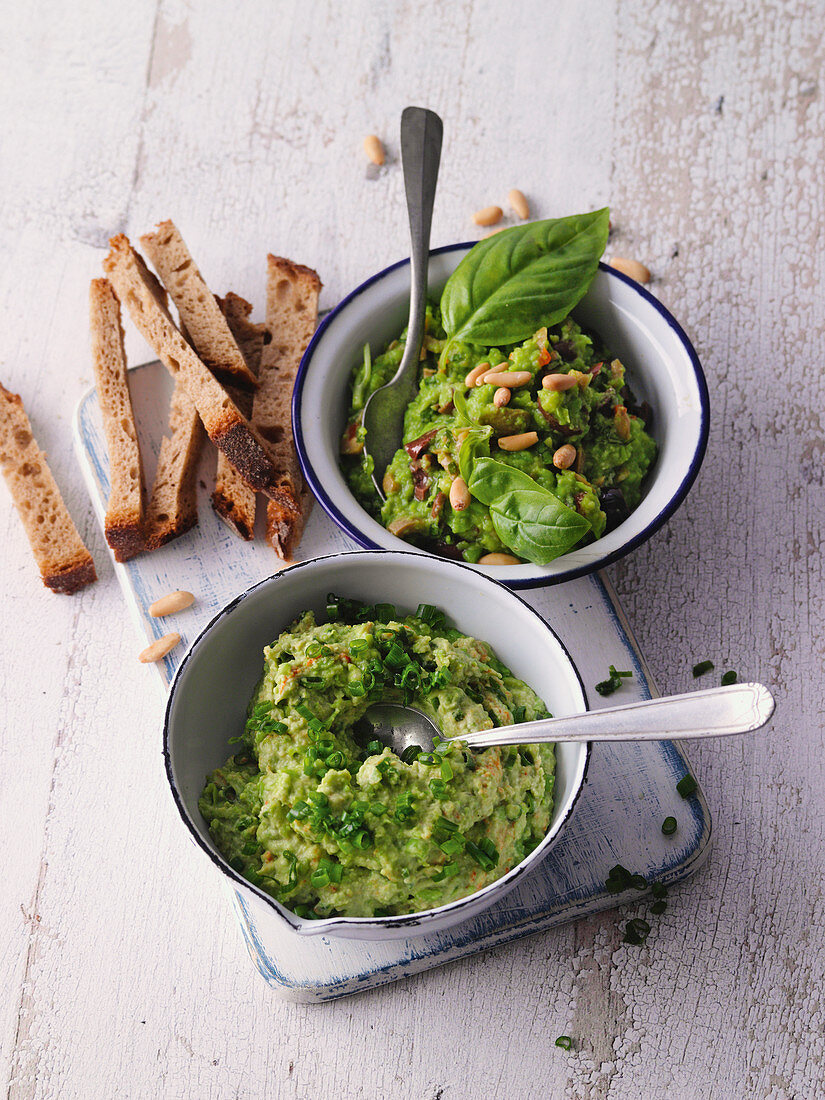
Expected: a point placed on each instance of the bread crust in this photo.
(123, 524)
(232, 499)
(226, 426)
(291, 318)
(200, 315)
(64, 562)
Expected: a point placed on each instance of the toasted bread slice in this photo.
(173, 505)
(64, 562)
(124, 512)
(291, 317)
(232, 498)
(226, 426)
(200, 314)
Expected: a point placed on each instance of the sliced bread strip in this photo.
(64, 562)
(124, 512)
(226, 426)
(200, 315)
(173, 505)
(291, 317)
(233, 500)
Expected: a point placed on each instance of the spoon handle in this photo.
(715, 712)
(421, 134)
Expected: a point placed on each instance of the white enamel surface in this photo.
(210, 694)
(660, 371)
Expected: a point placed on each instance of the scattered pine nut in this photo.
(512, 379)
(565, 456)
(374, 149)
(518, 442)
(499, 559)
(459, 494)
(632, 268)
(475, 374)
(158, 648)
(558, 383)
(490, 215)
(169, 605)
(519, 203)
(502, 397)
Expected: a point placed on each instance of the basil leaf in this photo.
(514, 282)
(475, 447)
(528, 518)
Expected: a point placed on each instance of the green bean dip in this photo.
(330, 822)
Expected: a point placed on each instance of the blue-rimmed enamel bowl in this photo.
(662, 365)
(217, 677)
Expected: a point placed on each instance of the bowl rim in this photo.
(329, 506)
(329, 925)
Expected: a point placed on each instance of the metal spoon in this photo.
(421, 132)
(740, 708)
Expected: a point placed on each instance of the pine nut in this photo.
(558, 383)
(632, 268)
(390, 483)
(169, 605)
(519, 203)
(512, 379)
(518, 442)
(499, 559)
(475, 374)
(502, 397)
(459, 494)
(374, 149)
(489, 215)
(158, 649)
(565, 456)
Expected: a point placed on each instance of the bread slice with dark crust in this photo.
(200, 314)
(64, 562)
(173, 505)
(291, 317)
(123, 524)
(226, 426)
(233, 500)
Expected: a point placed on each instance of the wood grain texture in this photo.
(123, 974)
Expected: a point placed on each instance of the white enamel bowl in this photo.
(663, 370)
(210, 693)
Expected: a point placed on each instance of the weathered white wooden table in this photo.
(703, 127)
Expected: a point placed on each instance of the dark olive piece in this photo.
(614, 507)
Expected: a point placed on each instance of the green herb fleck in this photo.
(565, 1042)
(729, 678)
(687, 786)
(613, 682)
(636, 931)
(658, 907)
(669, 826)
(702, 668)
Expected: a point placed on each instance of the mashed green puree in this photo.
(331, 823)
(597, 416)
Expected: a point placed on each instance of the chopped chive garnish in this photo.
(410, 753)
(669, 826)
(446, 769)
(447, 825)
(659, 890)
(658, 907)
(427, 758)
(377, 808)
(565, 1042)
(375, 748)
(638, 882)
(729, 678)
(336, 761)
(356, 688)
(447, 871)
(636, 931)
(687, 786)
(438, 787)
(613, 682)
(384, 612)
(618, 879)
(450, 847)
(702, 667)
